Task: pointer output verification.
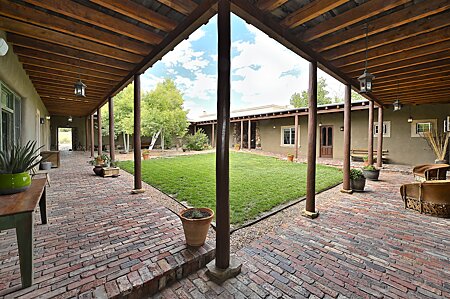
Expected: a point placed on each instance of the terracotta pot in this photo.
(358, 184)
(371, 174)
(146, 156)
(290, 158)
(196, 230)
(237, 147)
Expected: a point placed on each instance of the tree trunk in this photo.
(162, 141)
(154, 138)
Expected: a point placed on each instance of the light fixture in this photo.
(397, 105)
(47, 117)
(3, 47)
(320, 124)
(365, 80)
(70, 119)
(410, 119)
(80, 87)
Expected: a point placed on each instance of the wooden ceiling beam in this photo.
(350, 17)
(416, 28)
(91, 16)
(395, 19)
(390, 50)
(416, 83)
(67, 68)
(37, 17)
(424, 99)
(36, 54)
(412, 80)
(67, 94)
(411, 71)
(59, 38)
(183, 6)
(43, 46)
(64, 91)
(37, 70)
(56, 85)
(44, 77)
(139, 12)
(269, 5)
(414, 90)
(310, 11)
(407, 62)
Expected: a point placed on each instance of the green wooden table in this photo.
(16, 211)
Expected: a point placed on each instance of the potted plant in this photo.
(438, 142)
(357, 180)
(371, 173)
(196, 223)
(111, 171)
(146, 154)
(290, 157)
(99, 162)
(237, 146)
(15, 165)
(366, 160)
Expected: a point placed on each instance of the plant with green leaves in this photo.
(18, 158)
(356, 174)
(369, 168)
(196, 142)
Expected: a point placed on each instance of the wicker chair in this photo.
(427, 172)
(431, 197)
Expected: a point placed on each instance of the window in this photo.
(420, 126)
(9, 117)
(288, 136)
(386, 129)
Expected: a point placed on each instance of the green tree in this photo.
(163, 113)
(301, 99)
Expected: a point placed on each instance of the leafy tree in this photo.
(301, 99)
(163, 113)
(357, 97)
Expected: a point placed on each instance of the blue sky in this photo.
(262, 70)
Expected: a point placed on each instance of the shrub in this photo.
(196, 142)
(369, 167)
(355, 174)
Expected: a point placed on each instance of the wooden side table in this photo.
(16, 211)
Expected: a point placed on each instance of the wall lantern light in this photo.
(341, 129)
(3, 47)
(47, 117)
(397, 105)
(410, 119)
(365, 80)
(70, 119)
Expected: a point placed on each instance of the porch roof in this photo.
(109, 41)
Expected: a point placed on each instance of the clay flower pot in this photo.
(237, 147)
(196, 229)
(290, 158)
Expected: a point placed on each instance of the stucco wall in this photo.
(13, 75)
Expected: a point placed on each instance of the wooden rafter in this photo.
(57, 73)
(269, 5)
(40, 76)
(183, 6)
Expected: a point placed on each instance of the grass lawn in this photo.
(257, 183)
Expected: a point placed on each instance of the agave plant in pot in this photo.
(196, 223)
(16, 162)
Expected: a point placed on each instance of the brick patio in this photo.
(364, 245)
(101, 240)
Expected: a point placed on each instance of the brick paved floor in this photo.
(364, 245)
(101, 240)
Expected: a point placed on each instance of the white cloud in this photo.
(203, 87)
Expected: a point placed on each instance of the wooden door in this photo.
(326, 141)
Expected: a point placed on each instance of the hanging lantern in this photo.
(410, 119)
(397, 105)
(70, 119)
(365, 82)
(80, 89)
(3, 47)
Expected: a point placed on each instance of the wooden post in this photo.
(370, 135)
(137, 135)
(223, 127)
(86, 131)
(249, 132)
(212, 135)
(99, 131)
(92, 135)
(380, 138)
(347, 138)
(310, 210)
(242, 134)
(296, 135)
(112, 145)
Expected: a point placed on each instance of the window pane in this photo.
(292, 136)
(324, 136)
(17, 115)
(330, 136)
(423, 127)
(286, 136)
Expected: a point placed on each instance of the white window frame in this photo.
(432, 122)
(282, 136)
(386, 129)
(16, 118)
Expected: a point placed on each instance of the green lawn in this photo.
(257, 183)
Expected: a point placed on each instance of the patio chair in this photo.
(427, 172)
(431, 197)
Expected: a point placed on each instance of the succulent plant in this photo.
(18, 158)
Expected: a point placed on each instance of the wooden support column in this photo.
(212, 135)
(380, 138)
(310, 210)
(137, 135)
(347, 138)
(92, 135)
(86, 132)
(296, 135)
(224, 266)
(242, 134)
(99, 131)
(370, 135)
(249, 133)
(112, 145)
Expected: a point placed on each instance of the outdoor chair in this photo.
(431, 197)
(427, 172)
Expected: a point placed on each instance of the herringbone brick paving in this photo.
(364, 245)
(101, 241)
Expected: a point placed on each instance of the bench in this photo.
(428, 172)
(359, 154)
(51, 156)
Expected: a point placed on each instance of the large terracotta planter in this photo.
(14, 183)
(358, 184)
(146, 156)
(196, 230)
(290, 158)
